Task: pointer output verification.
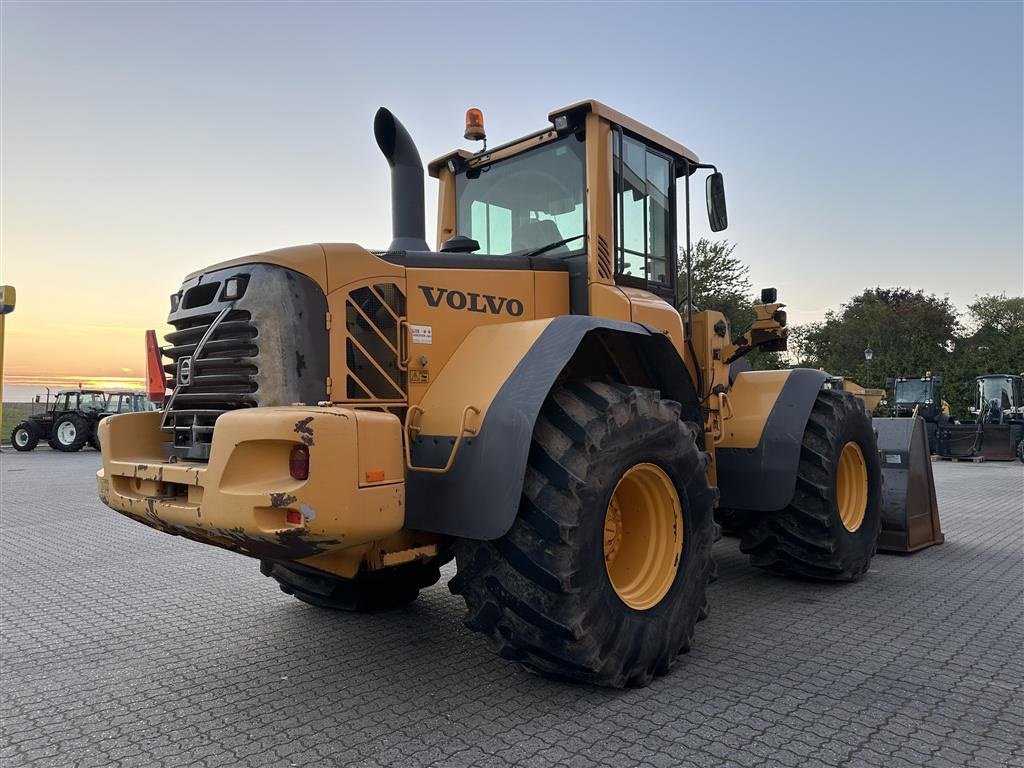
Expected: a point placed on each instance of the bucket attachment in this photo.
(989, 442)
(910, 513)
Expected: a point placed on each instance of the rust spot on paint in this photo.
(151, 513)
(304, 431)
(281, 499)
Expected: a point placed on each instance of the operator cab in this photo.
(79, 400)
(596, 177)
(999, 399)
(923, 394)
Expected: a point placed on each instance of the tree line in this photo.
(908, 331)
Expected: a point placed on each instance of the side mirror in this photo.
(718, 217)
(37, 399)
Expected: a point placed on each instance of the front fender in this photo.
(758, 458)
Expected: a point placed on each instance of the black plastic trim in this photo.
(763, 479)
(434, 260)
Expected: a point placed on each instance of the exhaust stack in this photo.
(408, 216)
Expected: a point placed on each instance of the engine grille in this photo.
(221, 377)
(373, 316)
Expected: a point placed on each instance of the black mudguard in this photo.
(479, 497)
(763, 479)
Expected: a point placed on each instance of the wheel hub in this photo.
(67, 433)
(21, 437)
(852, 487)
(643, 536)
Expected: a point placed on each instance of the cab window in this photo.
(534, 200)
(644, 210)
(92, 401)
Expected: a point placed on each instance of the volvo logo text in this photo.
(472, 302)
(185, 371)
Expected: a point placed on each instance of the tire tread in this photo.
(522, 590)
(802, 540)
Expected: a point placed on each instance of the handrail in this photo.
(412, 429)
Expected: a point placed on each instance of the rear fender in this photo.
(759, 455)
(505, 373)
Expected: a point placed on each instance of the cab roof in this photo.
(659, 140)
(577, 111)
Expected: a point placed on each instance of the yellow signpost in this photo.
(7, 297)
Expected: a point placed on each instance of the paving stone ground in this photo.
(122, 646)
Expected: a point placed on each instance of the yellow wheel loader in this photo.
(527, 399)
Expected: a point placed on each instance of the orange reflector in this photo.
(294, 517)
(374, 475)
(156, 384)
(475, 125)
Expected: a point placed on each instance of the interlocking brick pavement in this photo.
(122, 646)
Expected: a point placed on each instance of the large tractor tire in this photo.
(24, 437)
(602, 576)
(368, 591)
(830, 529)
(70, 433)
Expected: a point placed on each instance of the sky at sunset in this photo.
(862, 145)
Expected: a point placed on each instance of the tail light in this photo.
(298, 462)
(156, 384)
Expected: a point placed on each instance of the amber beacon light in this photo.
(475, 125)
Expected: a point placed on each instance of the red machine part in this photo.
(156, 384)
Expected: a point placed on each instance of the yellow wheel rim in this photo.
(643, 536)
(852, 487)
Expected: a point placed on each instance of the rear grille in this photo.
(222, 376)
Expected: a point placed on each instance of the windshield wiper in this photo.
(550, 247)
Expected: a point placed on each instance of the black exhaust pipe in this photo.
(408, 227)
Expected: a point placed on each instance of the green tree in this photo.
(998, 314)
(721, 282)
(909, 332)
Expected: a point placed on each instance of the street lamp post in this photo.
(868, 354)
